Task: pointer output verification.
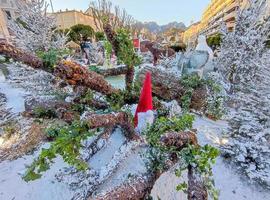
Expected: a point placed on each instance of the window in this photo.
(8, 14)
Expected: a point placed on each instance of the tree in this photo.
(244, 65)
(117, 25)
(214, 41)
(81, 31)
(100, 36)
(33, 27)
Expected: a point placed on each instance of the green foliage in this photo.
(182, 187)
(165, 124)
(178, 48)
(41, 112)
(80, 108)
(190, 83)
(100, 36)
(81, 30)
(67, 144)
(51, 57)
(108, 49)
(201, 159)
(214, 41)
(215, 98)
(94, 68)
(116, 100)
(126, 52)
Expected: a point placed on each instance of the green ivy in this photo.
(202, 159)
(45, 113)
(108, 49)
(214, 101)
(51, 57)
(67, 143)
(126, 52)
(165, 124)
(199, 157)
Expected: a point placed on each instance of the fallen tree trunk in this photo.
(73, 73)
(112, 120)
(12, 52)
(116, 71)
(168, 87)
(77, 75)
(140, 187)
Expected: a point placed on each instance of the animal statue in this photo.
(157, 51)
(203, 46)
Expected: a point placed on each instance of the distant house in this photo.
(8, 9)
(68, 18)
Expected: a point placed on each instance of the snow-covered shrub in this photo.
(33, 28)
(245, 66)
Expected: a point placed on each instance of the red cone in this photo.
(146, 102)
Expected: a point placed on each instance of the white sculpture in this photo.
(203, 46)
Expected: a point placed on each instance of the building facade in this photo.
(191, 34)
(8, 9)
(219, 11)
(68, 18)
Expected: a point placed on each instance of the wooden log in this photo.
(18, 55)
(140, 187)
(73, 73)
(112, 120)
(116, 71)
(78, 75)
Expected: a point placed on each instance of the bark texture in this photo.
(77, 75)
(112, 120)
(18, 55)
(140, 187)
(71, 72)
(113, 71)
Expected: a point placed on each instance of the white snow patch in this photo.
(12, 186)
(230, 183)
(15, 99)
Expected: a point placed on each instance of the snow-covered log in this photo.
(111, 120)
(18, 55)
(77, 75)
(73, 73)
(140, 187)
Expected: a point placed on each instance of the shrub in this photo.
(80, 30)
(100, 36)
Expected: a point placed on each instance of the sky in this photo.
(160, 11)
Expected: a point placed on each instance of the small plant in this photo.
(165, 124)
(94, 68)
(49, 59)
(41, 112)
(67, 143)
(108, 49)
(190, 83)
(215, 99)
(201, 159)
